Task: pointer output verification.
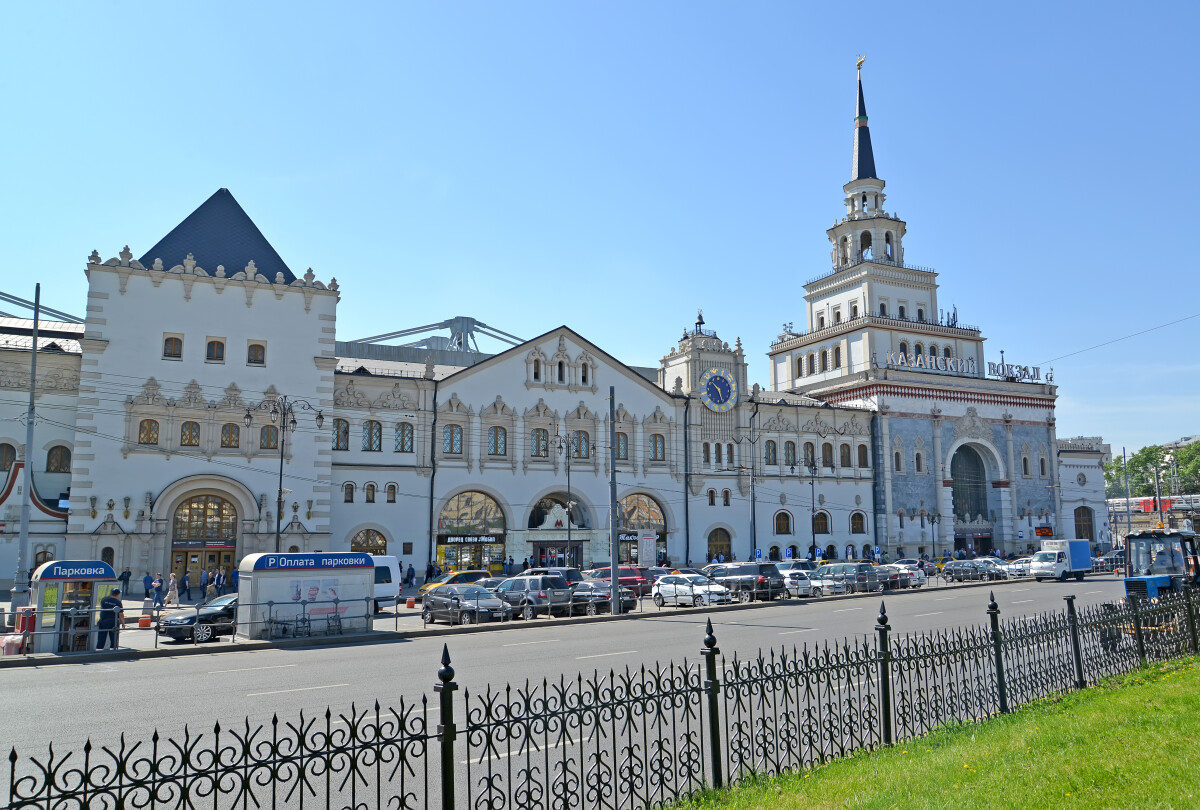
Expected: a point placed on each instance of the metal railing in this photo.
(644, 737)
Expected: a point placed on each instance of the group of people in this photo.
(214, 582)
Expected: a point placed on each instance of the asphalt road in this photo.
(66, 704)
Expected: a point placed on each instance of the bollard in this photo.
(998, 651)
(712, 690)
(885, 675)
(446, 729)
(1137, 630)
(1076, 647)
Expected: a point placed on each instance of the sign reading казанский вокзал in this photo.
(962, 365)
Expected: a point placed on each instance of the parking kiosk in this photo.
(67, 596)
(285, 595)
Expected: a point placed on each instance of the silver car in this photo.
(798, 583)
(690, 589)
(826, 586)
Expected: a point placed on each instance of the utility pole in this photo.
(614, 579)
(20, 591)
(1158, 497)
(1128, 517)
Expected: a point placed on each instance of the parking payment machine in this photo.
(67, 596)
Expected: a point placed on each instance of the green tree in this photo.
(1141, 473)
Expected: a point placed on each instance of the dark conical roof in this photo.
(219, 232)
(864, 157)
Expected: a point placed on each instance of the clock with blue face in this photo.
(718, 390)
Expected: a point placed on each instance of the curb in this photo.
(393, 636)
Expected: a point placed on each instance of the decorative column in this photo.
(1010, 533)
(886, 441)
(943, 502)
(1055, 482)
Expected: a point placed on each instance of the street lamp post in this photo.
(810, 464)
(282, 411)
(934, 520)
(568, 446)
(752, 440)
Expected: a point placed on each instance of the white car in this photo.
(823, 586)
(797, 582)
(689, 589)
(917, 576)
(1019, 567)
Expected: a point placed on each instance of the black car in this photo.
(595, 596)
(967, 571)
(463, 604)
(217, 618)
(749, 581)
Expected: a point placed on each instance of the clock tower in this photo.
(706, 368)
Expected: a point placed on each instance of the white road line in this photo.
(250, 669)
(935, 613)
(523, 643)
(605, 655)
(790, 632)
(945, 598)
(1021, 601)
(301, 689)
(1020, 590)
(1089, 593)
(846, 610)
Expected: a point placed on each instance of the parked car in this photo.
(916, 574)
(463, 604)
(893, 577)
(1113, 560)
(594, 596)
(454, 578)
(1019, 567)
(547, 594)
(926, 566)
(940, 562)
(217, 618)
(387, 581)
(686, 571)
(824, 586)
(995, 568)
(748, 581)
(657, 572)
(796, 565)
(491, 583)
(797, 582)
(964, 571)
(635, 579)
(573, 576)
(858, 577)
(690, 589)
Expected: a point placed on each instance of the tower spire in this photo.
(863, 165)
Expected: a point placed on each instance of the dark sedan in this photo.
(463, 604)
(969, 571)
(594, 596)
(217, 618)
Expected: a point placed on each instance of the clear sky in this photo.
(613, 166)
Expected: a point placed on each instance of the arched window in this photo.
(919, 350)
(946, 352)
(719, 545)
(827, 455)
(853, 311)
(824, 360)
(8, 456)
(717, 448)
(903, 347)
(537, 369)
(108, 555)
(969, 478)
(883, 310)
(341, 434)
(622, 447)
(148, 432)
(173, 348)
(783, 523)
(641, 512)
(1042, 465)
(821, 523)
(539, 443)
(770, 455)
(920, 314)
(820, 321)
(712, 497)
(391, 493)
(706, 454)
(268, 438)
(917, 463)
(810, 454)
(658, 447)
(348, 492)
(1085, 528)
(864, 459)
(497, 441)
(189, 434)
(799, 366)
(369, 493)
(583, 374)
(729, 453)
(231, 436)
(1025, 466)
(812, 364)
(452, 440)
(372, 436)
(858, 523)
(887, 245)
(215, 352)
(933, 351)
(789, 453)
(369, 541)
(724, 497)
(256, 354)
(471, 513)
(837, 356)
(899, 462)
(58, 459)
(844, 453)
(207, 518)
(837, 316)
(562, 371)
(864, 239)
(900, 312)
(404, 437)
(581, 444)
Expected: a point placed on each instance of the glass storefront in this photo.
(560, 555)
(455, 553)
(471, 532)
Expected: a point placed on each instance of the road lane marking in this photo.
(1020, 590)
(523, 643)
(845, 610)
(1021, 601)
(1089, 593)
(945, 598)
(805, 630)
(935, 613)
(605, 655)
(301, 689)
(249, 669)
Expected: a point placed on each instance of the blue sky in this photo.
(613, 166)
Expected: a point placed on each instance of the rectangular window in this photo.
(539, 443)
(172, 347)
(231, 435)
(372, 436)
(189, 434)
(452, 440)
(215, 351)
(622, 447)
(256, 354)
(408, 549)
(404, 438)
(497, 441)
(658, 447)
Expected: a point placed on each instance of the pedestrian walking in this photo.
(147, 583)
(203, 581)
(525, 564)
(185, 585)
(172, 591)
(233, 578)
(411, 577)
(124, 577)
(429, 572)
(211, 593)
(156, 589)
(219, 581)
(112, 615)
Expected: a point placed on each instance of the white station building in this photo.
(206, 367)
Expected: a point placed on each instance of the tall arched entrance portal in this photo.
(972, 519)
(641, 514)
(471, 533)
(203, 536)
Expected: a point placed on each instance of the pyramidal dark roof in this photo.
(219, 232)
(864, 158)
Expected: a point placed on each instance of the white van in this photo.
(387, 581)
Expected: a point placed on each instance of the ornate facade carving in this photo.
(972, 426)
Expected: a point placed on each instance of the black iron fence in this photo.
(639, 738)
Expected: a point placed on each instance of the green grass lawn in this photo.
(1132, 741)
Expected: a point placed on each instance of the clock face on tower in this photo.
(718, 390)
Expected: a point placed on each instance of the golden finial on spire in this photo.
(861, 58)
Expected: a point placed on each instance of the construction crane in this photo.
(462, 335)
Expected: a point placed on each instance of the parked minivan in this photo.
(387, 581)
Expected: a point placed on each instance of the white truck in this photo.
(1060, 559)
